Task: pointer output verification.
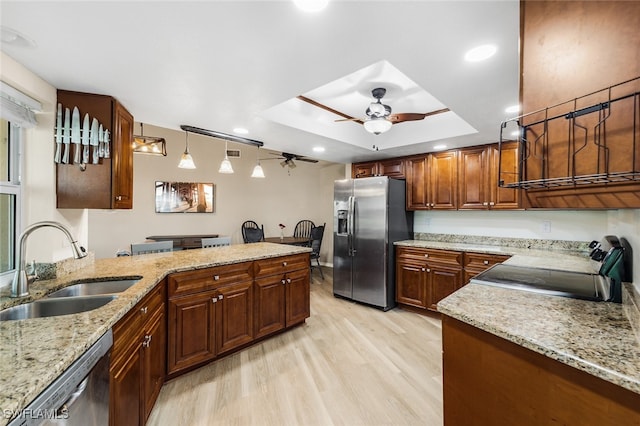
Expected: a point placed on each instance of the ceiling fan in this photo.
(379, 117)
(288, 159)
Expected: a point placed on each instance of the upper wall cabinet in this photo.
(478, 170)
(432, 181)
(393, 168)
(97, 182)
(581, 127)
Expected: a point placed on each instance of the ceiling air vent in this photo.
(233, 153)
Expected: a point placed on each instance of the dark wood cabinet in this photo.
(108, 184)
(393, 167)
(426, 276)
(478, 169)
(235, 315)
(138, 360)
(475, 263)
(432, 181)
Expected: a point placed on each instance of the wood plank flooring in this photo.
(347, 365)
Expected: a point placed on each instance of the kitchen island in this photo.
(34, 352)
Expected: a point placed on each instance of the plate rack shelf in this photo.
(590, 140)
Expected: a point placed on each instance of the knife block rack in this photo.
(590, 140)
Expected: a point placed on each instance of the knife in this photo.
(57, 155)
(66, 138)
(85, 139)
(75, 134)
(106, 143)
(94, 141)
(101, 142)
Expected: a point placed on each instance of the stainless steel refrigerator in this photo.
(369, 216)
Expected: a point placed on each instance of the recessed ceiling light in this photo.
(512, 109)
(318, 149)
(311, 5)
(438, 147)
(240, 131)
(480, 53)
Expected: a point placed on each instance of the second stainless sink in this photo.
(55, 307)
(94, 288)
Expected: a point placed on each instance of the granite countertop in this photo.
(34, 352)
(596, 337)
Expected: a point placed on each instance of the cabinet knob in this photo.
(486, 262)
(428, 270)
(284, 263)
(216, 277)
(283, 281)
(426, 255)
(492, 203)
(147, 341)
(214, 300)
(289, 280)
(424, 269)
(220, 297)
(143, 310)
(118, 197)
(485, 204)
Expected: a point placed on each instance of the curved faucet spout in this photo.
(21, 281)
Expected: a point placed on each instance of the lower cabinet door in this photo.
(235, 315)
(297, 301)
(411, 283)
(270, 293)
(154, 361)
(192, 324)
(442, 282)
(126, 393)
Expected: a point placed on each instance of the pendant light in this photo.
(186, 161)
(225, 166)
(377, 125)
(257, 170)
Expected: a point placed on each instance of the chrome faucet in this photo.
(21, 280)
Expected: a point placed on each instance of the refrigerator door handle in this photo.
(351, 225)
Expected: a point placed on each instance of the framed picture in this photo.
(184, 197)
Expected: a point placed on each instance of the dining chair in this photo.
(251, 232)
(303, 229)
(315, 242)
(154, 247)
(216, 242)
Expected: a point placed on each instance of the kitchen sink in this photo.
(94, 288)
(55, 307)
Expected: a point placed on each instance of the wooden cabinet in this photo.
(108, 184)
(393, 168)
(474, 263)
(210, 312)
(478, 170)
(426, 276)
(282, 293)
(138, 360)
(432, 181)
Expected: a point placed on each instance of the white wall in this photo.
(305, 193)
(626, 223)
(38, 170)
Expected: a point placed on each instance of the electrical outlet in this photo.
(545, 227)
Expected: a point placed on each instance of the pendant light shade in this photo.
(257, 170)
(225, 166)
(186, 161)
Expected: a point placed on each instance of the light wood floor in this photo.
(348, 365)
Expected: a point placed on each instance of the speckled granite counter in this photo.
(34, 352)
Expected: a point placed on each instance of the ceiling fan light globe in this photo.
(376, 108)
(377, 125)
(225, 166)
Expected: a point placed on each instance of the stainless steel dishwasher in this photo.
(79, 396)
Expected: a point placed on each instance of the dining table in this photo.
(295, 241)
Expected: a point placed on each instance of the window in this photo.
(10, 198)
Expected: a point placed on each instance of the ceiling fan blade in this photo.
(308, 160)
(326, 108)
(414, 116)
(347, 119)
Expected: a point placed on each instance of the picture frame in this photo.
(184, 197)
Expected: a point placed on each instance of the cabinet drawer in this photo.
(481, 261)
(452, 258)
(128, 330)
(280, 265)
(190, 282)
